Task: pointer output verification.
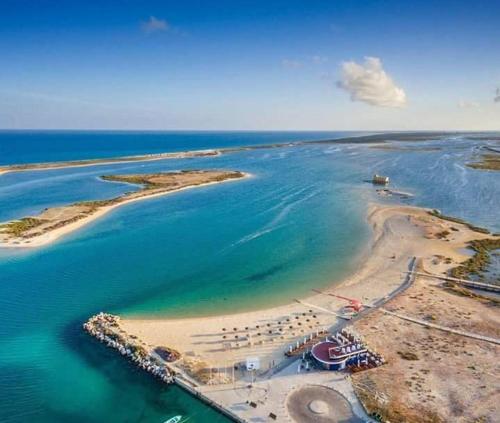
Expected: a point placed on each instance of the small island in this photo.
(52, 223)
(488, 161)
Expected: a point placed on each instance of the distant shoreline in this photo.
(378, 138)
(106, 161)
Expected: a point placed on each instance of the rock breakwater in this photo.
(106, 329)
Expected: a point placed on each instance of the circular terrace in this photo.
(319, 404)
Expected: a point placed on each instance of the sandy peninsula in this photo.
(399, 234)
(55, 222)
(211, 347)
(107, 161)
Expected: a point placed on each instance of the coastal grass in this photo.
(479, 262)
(18, 227)
(439, 215)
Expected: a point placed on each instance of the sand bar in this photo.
(107, 161)
(53, 223)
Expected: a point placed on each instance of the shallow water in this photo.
(298, 223)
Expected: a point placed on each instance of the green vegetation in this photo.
(131, 179)
(479, 262)
(18, 227)
(95, 204)
(487, 162)
(437, 213)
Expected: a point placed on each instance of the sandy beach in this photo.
(53, 235)
(399, 233)
(214, 349)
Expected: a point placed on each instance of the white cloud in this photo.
(466, 104)
(497, 96)
(370, 84)
(292, 64)
(154, 25)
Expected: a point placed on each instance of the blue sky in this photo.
(250, 64)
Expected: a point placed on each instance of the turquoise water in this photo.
(298, 223)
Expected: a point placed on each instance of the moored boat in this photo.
(175, 419)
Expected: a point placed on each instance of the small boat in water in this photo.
(175, 419)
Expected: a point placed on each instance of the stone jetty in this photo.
(105, 328)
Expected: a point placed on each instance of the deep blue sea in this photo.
(43, 146)
(297, 224)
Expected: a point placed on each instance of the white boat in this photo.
(175, 419)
